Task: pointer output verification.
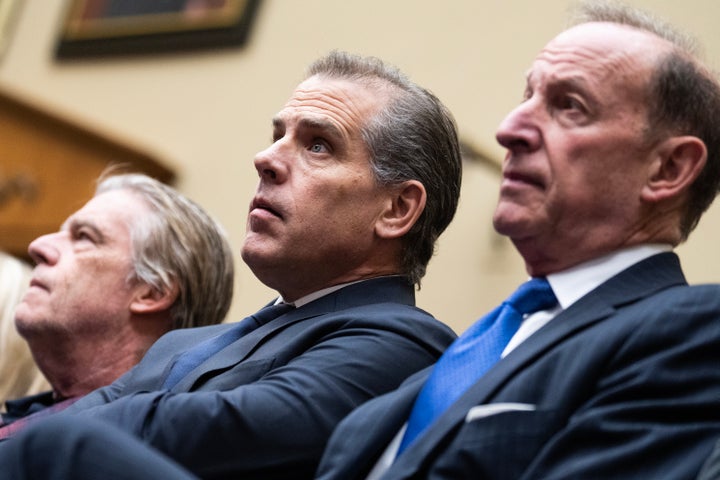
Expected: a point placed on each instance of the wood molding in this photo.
(48, 168)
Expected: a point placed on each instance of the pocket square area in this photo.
(482, 411)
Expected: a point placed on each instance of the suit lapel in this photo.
(239, 350)
(385, 289)
(639, 281)
(377, 424)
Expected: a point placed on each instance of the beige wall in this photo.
(208, 113)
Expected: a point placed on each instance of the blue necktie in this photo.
(193, 357)
(473, 353)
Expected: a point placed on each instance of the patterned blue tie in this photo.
(473, 353)
(193, 357)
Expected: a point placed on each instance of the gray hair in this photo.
(414, 137)
(683, 98)
(178, 244)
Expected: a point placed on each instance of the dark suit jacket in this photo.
(711, 468)
(625, 383)
(265, 406)
(17, 408)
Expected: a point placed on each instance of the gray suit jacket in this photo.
(265, 406)
(623, 384)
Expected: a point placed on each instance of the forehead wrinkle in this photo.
(585, 65)
(320, 124)
(607, 54)
(109, 220)
(332, 99)
(596, 71)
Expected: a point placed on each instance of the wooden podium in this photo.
(48, 169)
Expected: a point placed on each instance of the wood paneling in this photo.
(48, 168)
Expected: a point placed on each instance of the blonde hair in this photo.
(19, 375)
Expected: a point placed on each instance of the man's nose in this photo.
(44, 249)
(520, 131)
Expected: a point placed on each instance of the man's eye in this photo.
(83, 234)
(318, 147)
(571, 103)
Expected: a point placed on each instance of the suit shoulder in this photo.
(677, 312)
(177, 338)
(701, 296)
(406, 320)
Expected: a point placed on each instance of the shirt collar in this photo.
(321, 293)
(572, 284)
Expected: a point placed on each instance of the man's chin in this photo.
(259, 258)
(505, 226)
(513, 229)
(24, 321)
(254, 246)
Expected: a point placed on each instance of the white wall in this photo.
(208, 113)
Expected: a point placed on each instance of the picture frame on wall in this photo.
(95, 28)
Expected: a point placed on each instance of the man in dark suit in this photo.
(613, 156)
(361, 178)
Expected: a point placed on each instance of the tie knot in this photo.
(533, 295)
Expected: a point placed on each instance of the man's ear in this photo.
(679, 162)
(149, 299)
(406, 204)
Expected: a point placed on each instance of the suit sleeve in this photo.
(280, 422)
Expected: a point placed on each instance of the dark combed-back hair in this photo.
(683, 97)
(178, 243)
(414, 137)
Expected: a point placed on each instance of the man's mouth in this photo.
(514, 176)
(37, 283)
(259, 204)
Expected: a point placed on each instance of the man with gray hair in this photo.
(361, 178)
(605, 364)
(138, 260)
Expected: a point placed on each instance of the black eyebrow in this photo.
(323, 125)
(309, 123)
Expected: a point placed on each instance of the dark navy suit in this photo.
(265, 406)
(625, 383)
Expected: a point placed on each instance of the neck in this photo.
(76, 365)
(74, 378)
(544, 256)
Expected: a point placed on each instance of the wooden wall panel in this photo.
(48, 168)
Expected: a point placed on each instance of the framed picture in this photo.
(123, 27)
